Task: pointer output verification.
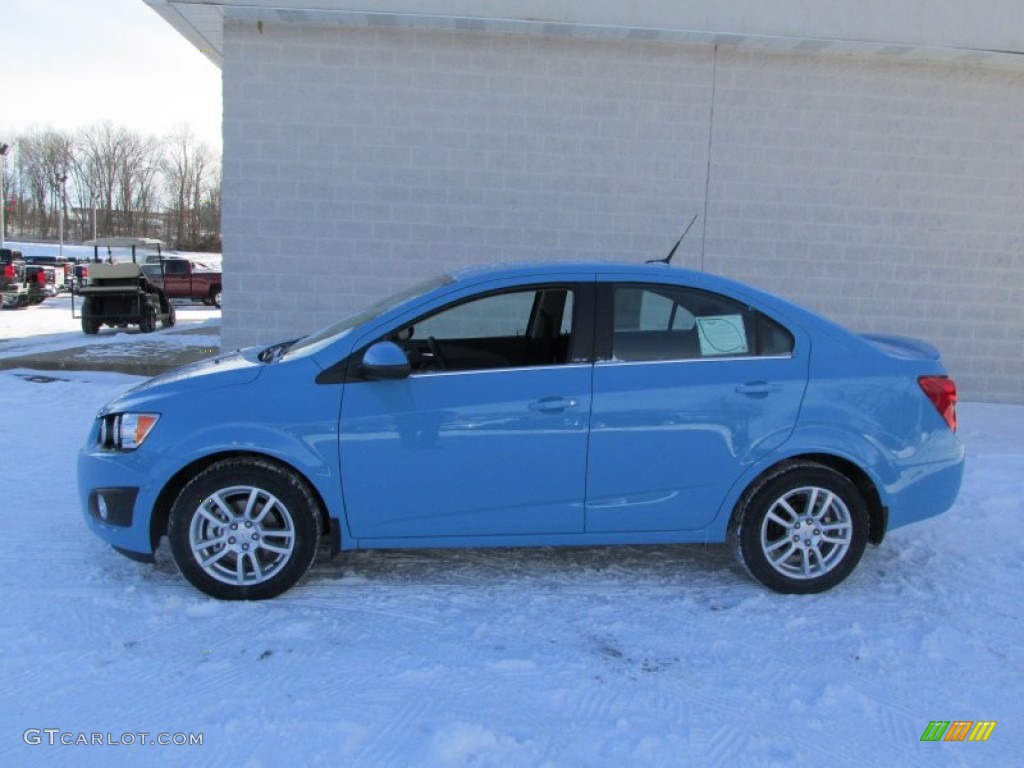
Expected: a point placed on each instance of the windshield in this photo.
(316, 341)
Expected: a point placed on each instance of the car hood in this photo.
(236, 368)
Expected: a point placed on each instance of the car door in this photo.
(689, 388)
(488, 435)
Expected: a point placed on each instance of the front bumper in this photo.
(116, 494)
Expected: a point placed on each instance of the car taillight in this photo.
(941, 390)
(9, 271)
(40, 277)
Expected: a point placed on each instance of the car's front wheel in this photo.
(802, 529)
(244, 529)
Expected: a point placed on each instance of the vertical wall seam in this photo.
(711, 129)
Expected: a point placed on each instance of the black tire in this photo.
(169, 318)
(801, 529)
(215, 297)
(89, 325)
(268, 506)
(147, 323)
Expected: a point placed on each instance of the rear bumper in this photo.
(927, 491)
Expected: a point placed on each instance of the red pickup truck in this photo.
(186, 279)
(14, 286)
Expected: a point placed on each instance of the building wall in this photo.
(883, 193)
(887, 195)
(357, 161)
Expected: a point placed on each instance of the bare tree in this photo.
(42, 159)
(140, 164)
(187, 165)
(121, 178)
(11, 192)
(101, 150)
(209, 218)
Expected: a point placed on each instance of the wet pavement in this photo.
(138, 354)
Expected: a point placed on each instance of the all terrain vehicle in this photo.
(118, 293)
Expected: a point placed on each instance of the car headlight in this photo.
(126, 431)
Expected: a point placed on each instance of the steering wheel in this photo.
(435, 350)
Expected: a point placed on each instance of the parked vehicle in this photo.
(118, 293)
(40, 283)
(79, 275)
(568, 404)
(61, 269)
(14, 288)
(182, 278)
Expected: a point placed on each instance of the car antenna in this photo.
(668, 259)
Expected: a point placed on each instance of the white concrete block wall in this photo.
(887, 194)
(357, 161)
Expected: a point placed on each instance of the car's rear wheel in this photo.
(244, 529)
(169, 318)
(802, 529)
(215, 297)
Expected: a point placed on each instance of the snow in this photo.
(87, 252)
(50, 327)
(636, 656)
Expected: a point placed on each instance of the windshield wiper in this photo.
(274, 351)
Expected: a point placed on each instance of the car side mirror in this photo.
(385, 360)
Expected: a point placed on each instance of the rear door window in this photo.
(658, 322)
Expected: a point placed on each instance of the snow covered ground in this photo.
(661, 656)
(86, 252)
(50, 327)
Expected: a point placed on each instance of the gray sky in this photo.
(67, 63)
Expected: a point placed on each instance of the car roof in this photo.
(633, 271)
(655, 272)
(524, 268)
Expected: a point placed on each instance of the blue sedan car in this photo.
(562, 404)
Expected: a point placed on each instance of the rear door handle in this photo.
(757, 388)
(553, 404)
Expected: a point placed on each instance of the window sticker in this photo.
(722, 335)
